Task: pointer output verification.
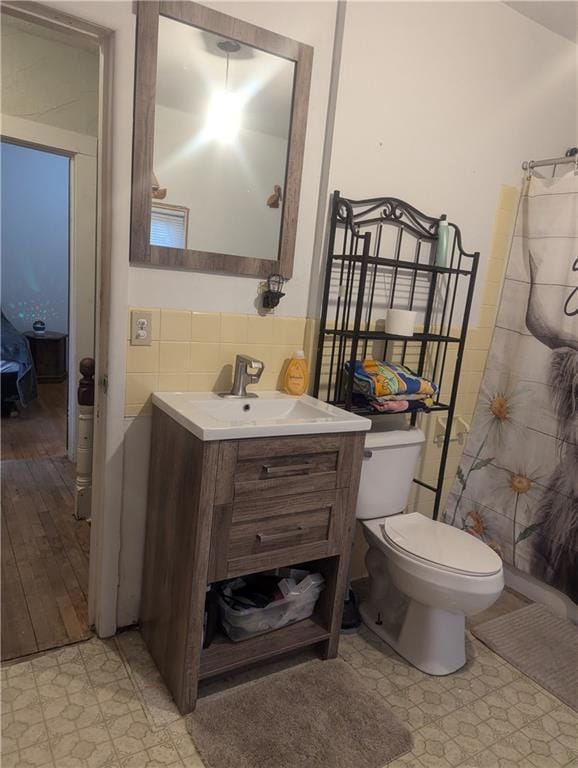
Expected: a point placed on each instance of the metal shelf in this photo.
(380, 335)
(360, 285)
(401, 264)
(368, 411)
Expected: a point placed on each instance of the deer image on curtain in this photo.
(517, 484)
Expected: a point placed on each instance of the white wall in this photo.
(47, 80)
(312, 23)
(232, 181)
(439, 104)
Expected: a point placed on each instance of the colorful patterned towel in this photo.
(377, 379)
(393, 406)
(394, 398)
(401, 406)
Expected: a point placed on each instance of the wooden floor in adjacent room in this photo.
(44, 548)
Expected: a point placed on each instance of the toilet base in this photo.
(429, 638)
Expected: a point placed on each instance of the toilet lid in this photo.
(441, 544)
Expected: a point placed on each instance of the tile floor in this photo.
(102, 703)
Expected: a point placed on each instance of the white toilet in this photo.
(425, 576)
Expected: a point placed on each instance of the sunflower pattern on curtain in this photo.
(517, 484)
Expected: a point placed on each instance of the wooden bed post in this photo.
(85, 429)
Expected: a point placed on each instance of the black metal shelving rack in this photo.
(382, 254)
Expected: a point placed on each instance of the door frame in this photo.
(103, 566)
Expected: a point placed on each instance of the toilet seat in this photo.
(435, 544)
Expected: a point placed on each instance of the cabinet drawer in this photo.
(285, 475)
(252, 536)
(255, 537)
(288, 466)
(259, 509)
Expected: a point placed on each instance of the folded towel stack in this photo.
(391, 388)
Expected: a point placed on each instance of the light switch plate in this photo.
(141, 328)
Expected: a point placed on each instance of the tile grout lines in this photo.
(102, 715)
(100, 667)
(58, 662)
(517, 675)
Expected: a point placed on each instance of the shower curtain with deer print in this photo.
(517, 485)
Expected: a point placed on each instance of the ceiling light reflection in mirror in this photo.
(222, 122)
(226, 106)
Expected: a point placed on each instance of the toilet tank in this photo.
(389, 464)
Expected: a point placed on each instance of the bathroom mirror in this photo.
(220, 119)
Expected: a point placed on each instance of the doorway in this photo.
(35, 215)
(49, 283)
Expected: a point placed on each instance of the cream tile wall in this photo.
(477, 346)
(195, 351)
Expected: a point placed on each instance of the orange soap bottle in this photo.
(296, 376)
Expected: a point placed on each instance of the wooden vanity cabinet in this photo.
(221, 509)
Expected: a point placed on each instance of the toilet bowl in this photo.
(425, 576)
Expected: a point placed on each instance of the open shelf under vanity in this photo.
(223, 655)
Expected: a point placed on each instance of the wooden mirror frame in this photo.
(141, 251)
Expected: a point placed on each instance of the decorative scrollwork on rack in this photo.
(357, 214)
(399, 211)
(345, 215)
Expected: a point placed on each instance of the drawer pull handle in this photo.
(292, 469)
(267, 537)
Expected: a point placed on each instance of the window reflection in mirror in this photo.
(222, 124)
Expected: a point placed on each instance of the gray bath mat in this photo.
(317, 715)
(539, 644)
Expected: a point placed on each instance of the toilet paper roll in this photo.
(400, 322)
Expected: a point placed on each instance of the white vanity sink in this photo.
(210, 417)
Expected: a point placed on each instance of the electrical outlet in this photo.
(141, 328)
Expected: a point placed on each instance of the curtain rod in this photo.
(571, 156)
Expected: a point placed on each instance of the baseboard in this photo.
(539, 592)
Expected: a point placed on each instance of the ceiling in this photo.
(191, 68)
(559, 17)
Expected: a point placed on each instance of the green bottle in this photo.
(441, 259)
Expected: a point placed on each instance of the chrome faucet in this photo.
(243, 377)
